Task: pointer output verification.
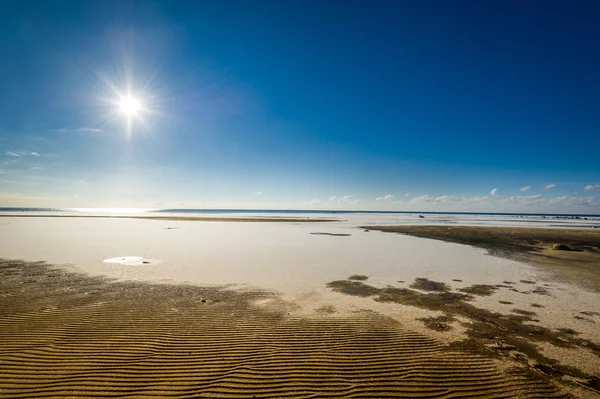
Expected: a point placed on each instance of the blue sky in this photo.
(430, 105)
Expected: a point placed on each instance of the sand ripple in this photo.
(64, 335)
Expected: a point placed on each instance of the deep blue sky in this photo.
(302, 104)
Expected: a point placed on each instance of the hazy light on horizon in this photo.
(113, 210)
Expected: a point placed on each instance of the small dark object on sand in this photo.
(366, 230)
(422, 217)
(428, 285)
(561, 247)
(203, 300)
(145, 262)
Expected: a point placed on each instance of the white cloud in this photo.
(79, 130)
(36, 168)
(575, 201)
(421, 199)
(595, 187)
(89, 130)
(479, 199)
(407, 194)
(532, 197)
(35, 154)
(444, 198)
(258, 193)
(549, 186)
(349, 199)
(346, 199)
(388, 197)
(525, 199)
(316, 201)
(522, 189)
(12, 154)
(494, 191)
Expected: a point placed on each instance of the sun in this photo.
(130, 106)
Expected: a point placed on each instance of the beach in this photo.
(294, 307)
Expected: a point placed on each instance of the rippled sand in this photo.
(65, 334)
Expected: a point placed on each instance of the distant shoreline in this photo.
(180, 218)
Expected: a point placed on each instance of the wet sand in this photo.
(514, 336)
(65, 334)
(533, 245)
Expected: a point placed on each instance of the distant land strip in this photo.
(179, 218)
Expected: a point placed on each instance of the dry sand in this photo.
(65, 334)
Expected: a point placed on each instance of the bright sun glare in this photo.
(129, 106)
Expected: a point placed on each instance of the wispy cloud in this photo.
(387, 197)
(421, 199)
(350, 199)
(258, 193)
(549, 186)
(478, 199)
(12, 154)
(525, 200)
(346, 199)
(89, 130)
(494, 202)
(448, 199)
(592, 187)
(316, 201)
(36, 168)
(575, 201)
(522, 189)
(77, 130)
(35, 154)
(445, 198)
(494, 191)
(407, 194)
